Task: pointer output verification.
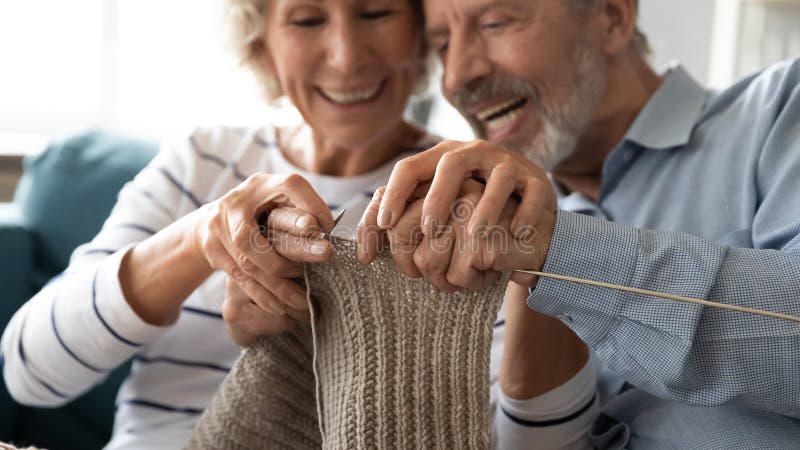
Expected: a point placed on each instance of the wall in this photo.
(680, 29)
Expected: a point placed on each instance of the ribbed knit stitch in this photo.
(396, 364)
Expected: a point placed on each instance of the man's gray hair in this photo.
(640, 41)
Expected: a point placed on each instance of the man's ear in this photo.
(619, 19)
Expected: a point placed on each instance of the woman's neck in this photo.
(313, 152)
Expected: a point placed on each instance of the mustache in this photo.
(493, 87)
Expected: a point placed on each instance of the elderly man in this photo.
(660, 184)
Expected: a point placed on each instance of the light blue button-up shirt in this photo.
(700, 199)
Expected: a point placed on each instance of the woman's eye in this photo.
(308, 22)
(374, 15)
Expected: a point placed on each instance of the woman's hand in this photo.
(246, 320)
(260, 233)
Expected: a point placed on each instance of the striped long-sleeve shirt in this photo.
(79, 327)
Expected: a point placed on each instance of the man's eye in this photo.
(374, 15)
(494, 25)
(308, 22)
(442, 49)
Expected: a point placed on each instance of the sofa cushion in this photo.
(67, 191)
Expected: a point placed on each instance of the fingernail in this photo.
(319, 248)
(303, 221)
(384, 217)
(431, 226)
(299, 301)
(276, 308)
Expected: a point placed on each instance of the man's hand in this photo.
(448, 167)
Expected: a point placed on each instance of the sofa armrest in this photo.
(16, 264)
(16, 260)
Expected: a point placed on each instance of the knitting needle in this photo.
(336, 221)
(758, 312)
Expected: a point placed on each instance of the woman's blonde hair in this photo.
(245, 23)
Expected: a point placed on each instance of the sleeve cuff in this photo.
(114, 308)
(572, 398)
(593, 249)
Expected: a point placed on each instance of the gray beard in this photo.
(562, 124)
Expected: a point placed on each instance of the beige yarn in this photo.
(396, 365)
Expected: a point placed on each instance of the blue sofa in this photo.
(62, 200)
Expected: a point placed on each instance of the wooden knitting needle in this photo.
(758, 312)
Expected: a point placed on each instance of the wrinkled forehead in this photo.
(443, 14)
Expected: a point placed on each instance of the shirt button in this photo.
(564, 318)
(627, 156)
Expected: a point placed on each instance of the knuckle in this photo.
(403, 167)
(246, 264)
(262, 297)
(453, 158)
(456, 278)
(239, 276)
(231, 311)
(294, 181)
(257, 178)
(241, 238)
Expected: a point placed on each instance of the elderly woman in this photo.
(246, 205)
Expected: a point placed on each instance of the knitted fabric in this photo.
(390, 361)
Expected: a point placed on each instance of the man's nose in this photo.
(466, 62)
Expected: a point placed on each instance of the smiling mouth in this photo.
(348, 98)
(501, 115)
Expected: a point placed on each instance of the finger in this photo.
(252, 289)
(265, 288)
(299, 315)
(403, 254)
(368, 235)
(406, 176)
(253, 252)
(498, 189)
(535, 198)
(462, 273)
(462, 270)
(404, 238)
(286, 292)
(294, 221)
(302, 195)
(476, 158)
(432, 259)
(245, 320)
(244, 206)
(300, 248)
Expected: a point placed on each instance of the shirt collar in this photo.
(668, 118)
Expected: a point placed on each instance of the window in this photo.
(142, 67)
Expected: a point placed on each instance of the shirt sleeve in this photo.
(694, 354)
(560, 419)
(78, 328)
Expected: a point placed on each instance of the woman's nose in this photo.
(346, 51)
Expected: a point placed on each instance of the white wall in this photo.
(680, 29)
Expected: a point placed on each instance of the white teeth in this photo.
(486, 113)
(504, 120)
(348, 98)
